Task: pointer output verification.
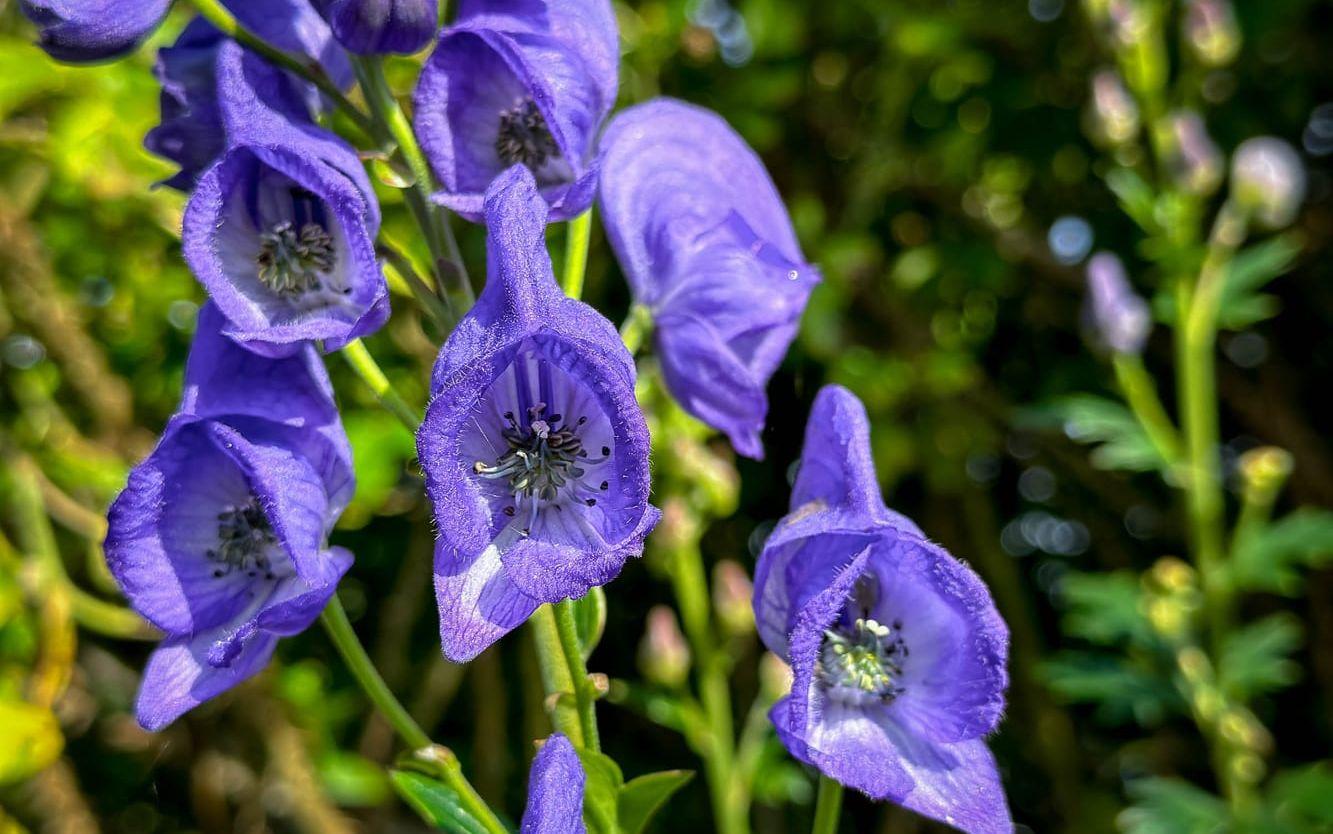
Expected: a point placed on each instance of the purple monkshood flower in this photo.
(534, 449)
(192, 133)
(555, 790)
(219, 537)
(280, 230)
(706, 244)
(375, 27)
(83, 31)
(897, 652)
(519, 82)
(1118, 315)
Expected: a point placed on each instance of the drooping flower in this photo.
(375, 27)
(555, 790)
(897, 652)
(516, 82)
(1119, 315)
(1268, 178)
(534, 449)
(192, 132)
(84, 31)
(280, 230)
(706, 244)
(219, 538)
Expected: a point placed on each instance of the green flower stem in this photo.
(1197, 336)
(389, 117)
(828, 807)
(1141, 393)
(215, 13)
(369, 370)
(578, 235)
(556, 679)
(636, 328)
(436, 307)
(584, 697)
(339, 629)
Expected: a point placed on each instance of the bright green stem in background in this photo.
(636, 327)
(369, 370)
(1141, 393)
(339, 628)
(578, 234)
(828, 807)
(215, 13)
(584, 697)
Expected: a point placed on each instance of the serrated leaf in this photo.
(1121, 442)
(1269, 560)
(1103, 608)
(1122, 692)
(1256, 659)
(1170, 806)
(435, 802)
(601, 794)
(1242, 305)
(590, 619)
(1302, 799)
(641, 797)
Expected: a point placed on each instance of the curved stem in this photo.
(369, 370)
(339, 629)
(215, 13)
(1141, 394)
(579, 232)
(828, 807)
(572, 650)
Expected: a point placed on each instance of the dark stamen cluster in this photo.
(524, 136)
(542, 458)
(864, 660)
(244, 539)
(290, 261)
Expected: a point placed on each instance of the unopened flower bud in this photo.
(1267, 177)
(1119, 316)
(1192, 159)
(1112, 112)
(1263, 471)
(1211, 32)
(774, 676)
(664, 657)
(1128, 21)
(733, 596)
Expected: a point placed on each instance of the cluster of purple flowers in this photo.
(534, 448)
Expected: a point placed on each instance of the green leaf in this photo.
(590, 619)
(352, 780)
(1256, 659)
(1302, 798)
(436, 802)
(1103, 608)
(1122, 691)
(1096, 420)
(642, 796)
(1135, 196)
(1170, 806)
(601, 794)
(1270, 559)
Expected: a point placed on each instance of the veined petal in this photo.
(179, 677)
(478, 602)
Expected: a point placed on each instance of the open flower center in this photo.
(544, 460)
(245, 539)
(291, 260)
(524, 136)
(863, 661)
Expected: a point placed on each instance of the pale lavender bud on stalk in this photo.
(1211, 31)
(1193, 159)
(1128, 21)
(664, 656)
(733, 597)
(1118, 315)
(1267, 178)
(1113, 112)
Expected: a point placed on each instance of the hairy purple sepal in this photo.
(377, 27)
(87, 31)
(555, 790)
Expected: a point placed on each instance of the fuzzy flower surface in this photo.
(86, 31)
(706, 244)
(377, 27)
(897, 652)
(1119, 316)
(534, 448)
(280, 229)
(219, 537)
(519, 82)
(192, 133)
(555, 790)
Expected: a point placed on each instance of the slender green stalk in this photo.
(369, 370)
(828, 807)
(578, 235)
(339, 629)
(636, 327)
(556, 679)
(215, 13)
(436, 307)
(1141, 393)
(439, 234)
(584, 697)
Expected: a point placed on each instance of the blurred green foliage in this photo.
(925, 149)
